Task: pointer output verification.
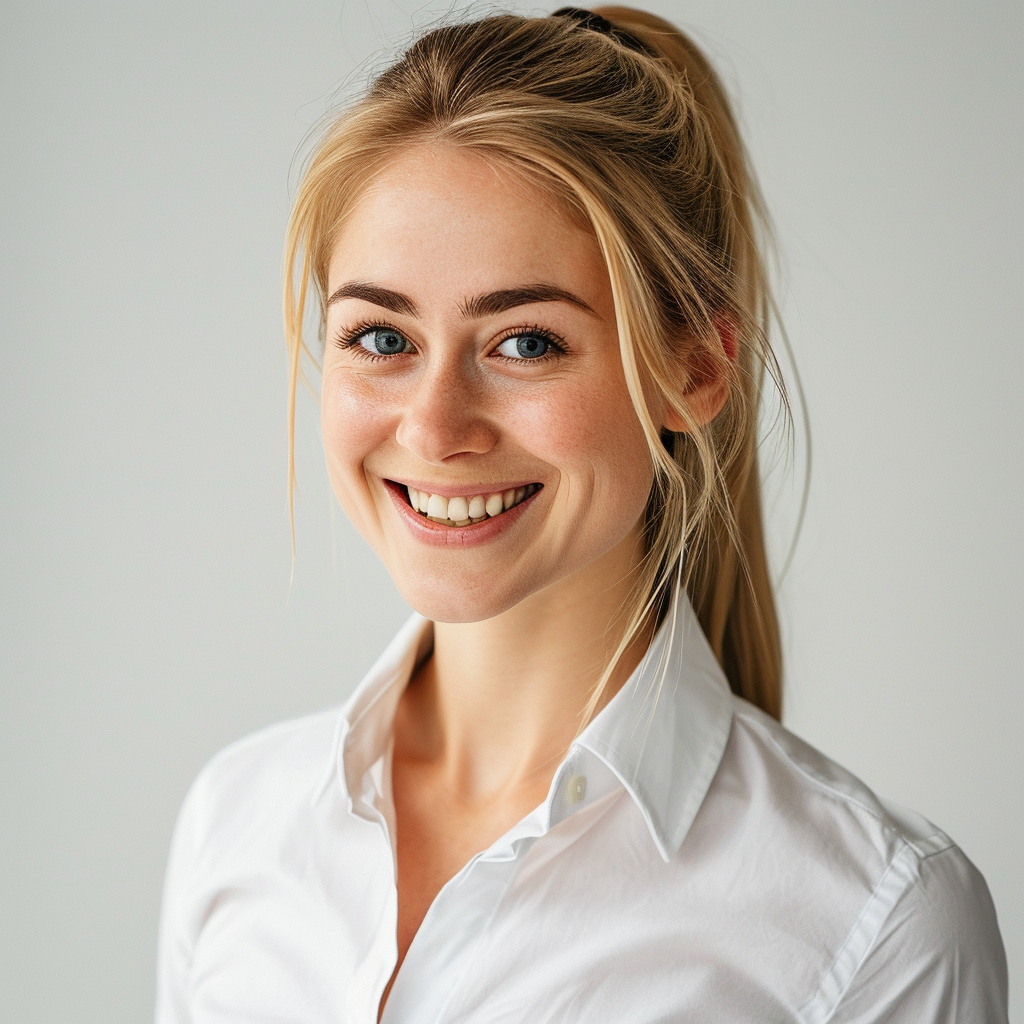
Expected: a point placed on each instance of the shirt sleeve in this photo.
(939, 958)
(174, 943)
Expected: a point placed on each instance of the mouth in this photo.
(464, 510)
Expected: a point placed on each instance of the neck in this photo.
(500, 701)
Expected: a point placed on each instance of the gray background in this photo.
(147, 618)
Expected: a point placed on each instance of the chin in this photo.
(458, 600)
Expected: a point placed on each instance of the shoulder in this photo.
(296, 747)
(787, 778)
(907, 916)
(267, 776)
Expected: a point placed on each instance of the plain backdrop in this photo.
(147, 620)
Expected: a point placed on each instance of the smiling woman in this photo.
(563, 793)
(497, 372)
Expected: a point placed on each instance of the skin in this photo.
(526, 617)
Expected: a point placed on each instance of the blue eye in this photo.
(525, 346)
(383, 341)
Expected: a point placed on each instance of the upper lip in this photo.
(463, 490)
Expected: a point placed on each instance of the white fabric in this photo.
(693, 862)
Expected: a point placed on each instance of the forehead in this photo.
(446, 221)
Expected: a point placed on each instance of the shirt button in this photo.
(576, 789)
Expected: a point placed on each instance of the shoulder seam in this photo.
(933, 846)
(900, 874)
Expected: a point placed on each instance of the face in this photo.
(476, 421)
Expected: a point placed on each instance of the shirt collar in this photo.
(662, 735)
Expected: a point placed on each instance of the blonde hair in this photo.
(640, 142)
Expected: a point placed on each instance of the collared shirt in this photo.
(693, 862)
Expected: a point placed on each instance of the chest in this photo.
(582, 923)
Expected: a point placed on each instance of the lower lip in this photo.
(429, 532)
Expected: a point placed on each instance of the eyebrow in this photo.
(487, 304)
(384, 297)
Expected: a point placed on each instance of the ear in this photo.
(708, 389)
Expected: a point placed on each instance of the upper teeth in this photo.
(463, 511)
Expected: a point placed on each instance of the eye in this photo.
(384, 341)
(530, 345)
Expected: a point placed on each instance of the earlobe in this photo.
(673, 420)
(703, 402)
(708, 390)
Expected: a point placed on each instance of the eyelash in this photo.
(537, 331)
(349, 340)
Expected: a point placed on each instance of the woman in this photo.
(563, 793)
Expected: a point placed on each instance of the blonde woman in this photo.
(563, 792)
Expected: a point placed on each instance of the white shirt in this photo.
(693, 862)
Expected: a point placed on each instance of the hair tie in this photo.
(598, 23)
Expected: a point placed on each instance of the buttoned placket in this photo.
(457, 921)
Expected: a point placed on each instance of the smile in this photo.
(466, 511)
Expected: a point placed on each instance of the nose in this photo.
(444, 416)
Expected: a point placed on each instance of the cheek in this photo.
(593, 437)
(353, 421)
